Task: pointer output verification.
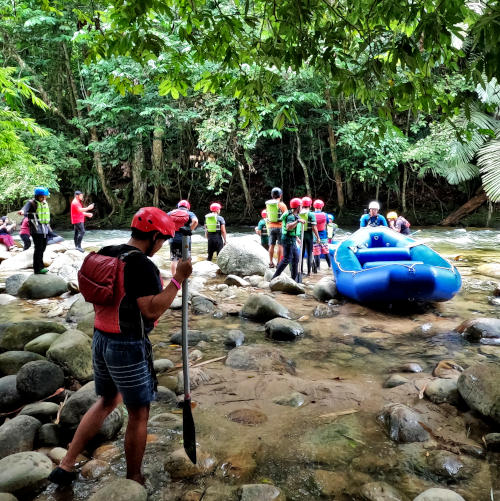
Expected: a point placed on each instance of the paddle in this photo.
(414, 233)
(188, 430)
(301, 267)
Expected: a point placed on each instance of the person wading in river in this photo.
(121, 350)
(275, 208)
(78, 215)
(176, 242)
(215, 230)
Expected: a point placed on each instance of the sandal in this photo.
(62, 477)
(271, 265)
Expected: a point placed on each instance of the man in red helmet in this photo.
(122, 357)
(176, 242)
(215, 230)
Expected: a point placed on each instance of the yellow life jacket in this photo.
(273, 210)
(212, 223)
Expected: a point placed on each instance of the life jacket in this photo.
(273, 210)
(304, 215)
(264, 231)
(42, 212)
(330, 229)
(375, 221)
(212, 222)
(296, 232)
(320, 220)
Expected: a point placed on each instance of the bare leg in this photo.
(280, 252)
(88, 428)
(135, 441)
(271, 254)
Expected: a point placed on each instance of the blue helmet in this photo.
(41, 190)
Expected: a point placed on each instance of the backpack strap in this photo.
(127, 254)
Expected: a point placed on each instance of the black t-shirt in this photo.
(141, 278)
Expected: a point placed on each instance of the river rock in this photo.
(410, 367)
(42, 343)
(379, 491)
(478, 385)
(167, 420)
(437, 494)
(79, 309)
(447, 369)
(162, 365)
(239, 467)
(286, 284)
(243, 256)
(261, 308)
(492, 441)
(72, 351)
(18, 435)
(447, 465)
(283, 329)
(402, 424)
(205, 269)
(57, 203)
(6, 299)
(39, 379)
(481, 330)
(43, 411)
(325, 289)
(236, 280)
(201, 305)
(14, 282)
(180, 466)
(254, 280)
(295, 399)
(17, 262)
(489, 269)
(234, 338)
(121, 490)
(4, 496)
(259, 357)
(166, 396)
(50, 435)
(440, 391)
(85, 324)
(325, 311)
(10, 398)
(66, 266)
(24, 473)
(194, 337)
(42, 286)
(395, 380)
(95, 468)
(247, 417)
(15, 335)
(12, 361)
(261, 492)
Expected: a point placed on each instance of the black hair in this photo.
(147, 235)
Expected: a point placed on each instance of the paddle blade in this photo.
(188, 431)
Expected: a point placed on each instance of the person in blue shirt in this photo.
(373, 218)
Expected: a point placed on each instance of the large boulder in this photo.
(37, 380)
(489, 269)
(259, 357)
(42, 286)
(479, 387)
(42, 343)
(10, 399)
(18, 435)
(262, 308)
(12, 361)
(14, 282)
(24, 260)
(57, 203)
(14, 336)
(481, 330)
(122, 489)
(402, 424)
(45, 412)
(243, 256)
(79, 309)
(283, 329)
(24, 473)
(66, 265)
(286, 284)
(325, 289)
(72, 351)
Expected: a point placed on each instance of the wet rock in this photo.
(39, 379)
(492, 441)
(248, 417)
(194, 337)
(42, 286)
(295, 399)
(79, 309)
(243, 256)
(72, 351)
(481, 330)
(494, 301)
(167, 420)
(107, 452)
(447, 466)
(18, 435)
(219, 491)
(43, 411)
(195, 355)
(10, 398)
(490, 350)
(330, 483)
(379, 491)
(489, 269)
(234, 338)
(12, 361)
(65, 266)
(4, 496)
(49, 435)
(478, 386)
(402, 424)
(197, 376)
(42, 343)
(57, 454)
(14, 282)
(14, 336)
(239, 466)
(325, 289)
(260, 307)
(24, 473)
(166, 396)
(286, 284)
(436, 494)
(395, 380)
(205, 269)
(411, 367)
(179, 465)
(325, 311)
(94, 469)
(282, 329)
(121, 490)
(259, 357)
(201, 305)
(440, 391)
(169, 381)
(162, 365)
(473, 450)
(6, 299)
(447, 369)
(236, 280)
(261, 492)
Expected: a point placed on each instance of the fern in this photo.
(488, 159)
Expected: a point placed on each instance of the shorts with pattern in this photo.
(275, 236)
(175, 250)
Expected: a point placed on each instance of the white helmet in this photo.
(374, 205)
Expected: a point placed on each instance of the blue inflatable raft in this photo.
(379, 265)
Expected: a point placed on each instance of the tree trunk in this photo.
(377, 190)
(475, 202)
(157, 158)
(139, 183)
(403, 188)
(248, 200)
(303, 165)
(349, 189)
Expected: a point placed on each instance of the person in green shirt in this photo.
(261, 230)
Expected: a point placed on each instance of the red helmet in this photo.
(154, 219)
(264, 213)
(184, 203)
(318, 204)
(295, 202)
(306, 202)
(215, 207)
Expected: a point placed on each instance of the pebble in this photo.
(295, 399)
(395, 380)
(261, 492)
(248, 417)
(95, 468)
(239, 466)
(411, 367)
(180, 466)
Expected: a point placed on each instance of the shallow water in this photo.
(341, 364)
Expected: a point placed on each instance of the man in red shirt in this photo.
(78, 215)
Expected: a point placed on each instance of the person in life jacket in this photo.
(261, 230)
(321, 245)
(215, 230)
(275, 209)
(78, 215)
(373, 218)
(398, 223)
(291, 231)
(331, 227)
(176, 243)
(121, 349)
(38, 213)
(310, 232)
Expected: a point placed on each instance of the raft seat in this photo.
(383, 253)
(375, 264)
